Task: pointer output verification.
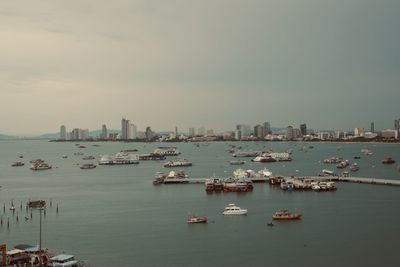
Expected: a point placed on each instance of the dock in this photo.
(359, 180)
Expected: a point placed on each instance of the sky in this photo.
(214, 63)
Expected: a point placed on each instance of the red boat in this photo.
(388, 161)
(195, 219)
(285, 215)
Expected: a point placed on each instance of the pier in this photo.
(359, 180)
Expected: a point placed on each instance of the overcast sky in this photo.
(215, 63)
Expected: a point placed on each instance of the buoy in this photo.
(17, 216)
(57, 208)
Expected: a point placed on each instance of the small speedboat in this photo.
(388, 161)
(195, 219)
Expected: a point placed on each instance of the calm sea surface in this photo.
(114, 216)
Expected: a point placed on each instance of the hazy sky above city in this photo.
(215, 63)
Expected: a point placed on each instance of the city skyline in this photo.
(331, 64)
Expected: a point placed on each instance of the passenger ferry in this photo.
(119, 159)
(167, 151)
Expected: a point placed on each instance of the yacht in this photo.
(40, 166)
(232, 209)
(167, 151)
(177, 163)
(264, 158)
(195, 219)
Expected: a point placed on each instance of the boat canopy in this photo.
(62, 257)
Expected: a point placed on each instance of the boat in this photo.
(36, 203)
(237, 162)
(286, 215)
(78, 154)
(167, 151)
(21, 156)
(342, 164)
(232, 209)
(176, 178)
(40, 166)
(81, 146)
(119, 159)
(177, 163)
(325, 173)
(285, 156)
(152, 156)
(357, 157)
(88, 166)
(158, 181)
(17, 164)
(64, 156)
(88, 158)
(332, 160)
(195, 219)
(248, 154)
(209, 185)
(354, 167)
(64, 260)
(388, 161)
(366, 152)
(264, 158)
(36, 161)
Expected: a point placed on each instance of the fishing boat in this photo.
(388, 161)
(88, 166)
(195, 219)
(17, 164)
(232, 209)
(237, 162)
(286, 215)
(36, 203)
(40, 166)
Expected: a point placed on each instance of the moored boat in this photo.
(237, 162)
(177, 163)
(286, 215)
(354, 167)
(40, 166)
(36, 203)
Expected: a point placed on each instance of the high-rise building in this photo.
(192, 132)
(210, 132)
(201, 131)
(103, 132)
(132, 131)
(358, 132)
(63, 132)
(176, 131)
(244, 129)
(124, 129)
(259, 131)
(372, 127)
(238, 135)
(267, 128)
(303, 129)
(289, 133)
(149, 133)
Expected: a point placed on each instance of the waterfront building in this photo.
(210, 132)
(244, 129)
(113, 136)
(149, 133)
(238, 135)
(75, 134)
(372, 127)
(132, 131)
(192, 132)
(289, 133)
(84, 134)
(124, 129)
(201, 131)
(63, 132)
(358, 132)
(259, 131)
(389, 133)
(303, 129)
(267, 128)
(103, 132)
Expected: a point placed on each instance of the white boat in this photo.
(119, 159)
(232, 209)
(176, 178)
(167, 151)
(177, 163)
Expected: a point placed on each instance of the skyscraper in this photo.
(372, 127)
(267, 128)
(103, 132)
(124, 129)
(259, 131)
(289, 133)
(132, 131)
(303, 129)
(63, 132)
(149, 133)
(192, 132)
